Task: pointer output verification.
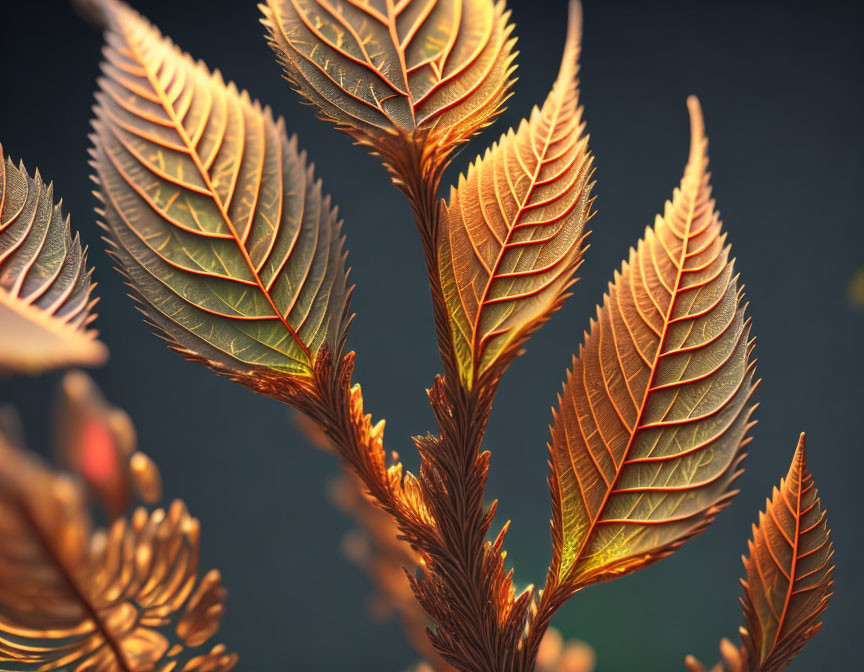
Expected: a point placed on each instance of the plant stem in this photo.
(463, 586)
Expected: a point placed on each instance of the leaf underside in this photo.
(213, 214)
(74, 601)
(512, 234)
(382, 68)
(789, 571)
(45, 288)
(648, 435)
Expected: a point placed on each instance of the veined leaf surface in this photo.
(72, 600)
(45, 288)
(383, 69)
(647, 437)
(512, 235)
(212, 212)
(789, 571)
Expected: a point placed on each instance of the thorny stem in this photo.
(458, 587)
(550, 601)
(454, 473)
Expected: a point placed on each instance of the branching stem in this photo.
(441, 514)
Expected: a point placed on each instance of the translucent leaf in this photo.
(512, 234)
(647, 438)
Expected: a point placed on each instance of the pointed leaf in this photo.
(387, 71)
(74, 601)
(212, 212)
(647, 438)
(789, 571)
(45, 288)
(512, 235)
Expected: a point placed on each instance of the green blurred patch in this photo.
(856, 289)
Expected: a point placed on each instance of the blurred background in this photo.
(781, 87)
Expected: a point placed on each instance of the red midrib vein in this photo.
(794, 567)
(655, 366)
(506, 244)
(193, 153)
(67, 577)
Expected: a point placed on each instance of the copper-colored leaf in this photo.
(648, 435)
(98, 441)
(204, 611)
(218, 659)
(512, 235)
(45, 289)
(74, 601)
(212, 212)
(391, 71)
(789, 571)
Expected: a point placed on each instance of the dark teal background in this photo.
(781, 88)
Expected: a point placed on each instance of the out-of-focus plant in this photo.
(236, 257)
(856, 289)
(128, 597)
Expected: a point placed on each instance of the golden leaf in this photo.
(98, 442)
(204, 611)
(789, 571)
(45, 288)
(212, 212)
(74, 601)
(393, 72)
(511, 236)
(647, 438)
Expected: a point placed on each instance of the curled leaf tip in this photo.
(512, 234)
(649, 434)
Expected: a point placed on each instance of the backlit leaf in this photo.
(80, 601)
(213, 214)
(647, 438)
(387, 71)
(512, 235)
(789, 571)
(45, 288)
